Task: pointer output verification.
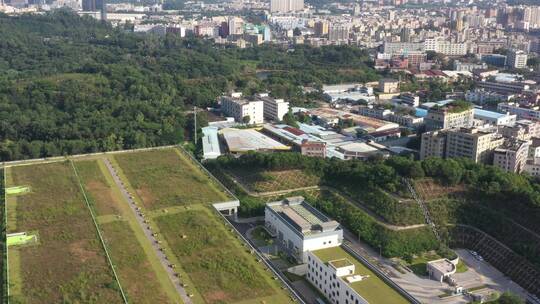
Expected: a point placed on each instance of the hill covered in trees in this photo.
(75, 85)
(504, 205)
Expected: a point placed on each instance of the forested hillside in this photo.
(75, 85)
(504, 205)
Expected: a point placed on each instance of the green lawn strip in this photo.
(203, 245)
(69, 264)
(14, 273)
(479, 287)
(90, 209)
(10, 204)
(98, 188)
(132, 239)
(134, 268)
(165, 178)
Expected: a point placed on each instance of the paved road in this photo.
(488, 275)
(149, 234)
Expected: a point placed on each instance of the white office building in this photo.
(300, 228)
(240, 108)
(274, 109)
(440, 45)
(334, 273)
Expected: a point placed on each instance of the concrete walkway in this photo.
(149, 234)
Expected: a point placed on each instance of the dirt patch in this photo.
(102, 198)
(78, 249)
(146, 195)
(429, 189)
(217, 296)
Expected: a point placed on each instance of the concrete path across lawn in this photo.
(148, 232)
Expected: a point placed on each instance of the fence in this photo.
(277, 273)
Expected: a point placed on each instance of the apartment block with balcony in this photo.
(472, 143)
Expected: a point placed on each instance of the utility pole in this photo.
(195, 123)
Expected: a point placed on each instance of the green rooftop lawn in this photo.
(138, 269)
(220, 268)
(167, 178)
(68, 265)
(340, 263)
(373, 289)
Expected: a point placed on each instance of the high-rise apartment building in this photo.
(321, 28)
(433, 144)
(284, 6)
(471, 143)
(517, 59)
(339, 32)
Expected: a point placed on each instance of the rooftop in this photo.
(510, 144)
(302, 216)
(210, 142)
(372, 288)
(443, 265)
(488, 114)
(243, 140)
(364, 121)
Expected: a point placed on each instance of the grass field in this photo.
(166, 178)
(220, 268)
(265, 181)
(137, 273)
(69, 264)
(373, 289)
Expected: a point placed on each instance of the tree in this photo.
(509, 298)
(246, 119)
(290, 120)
